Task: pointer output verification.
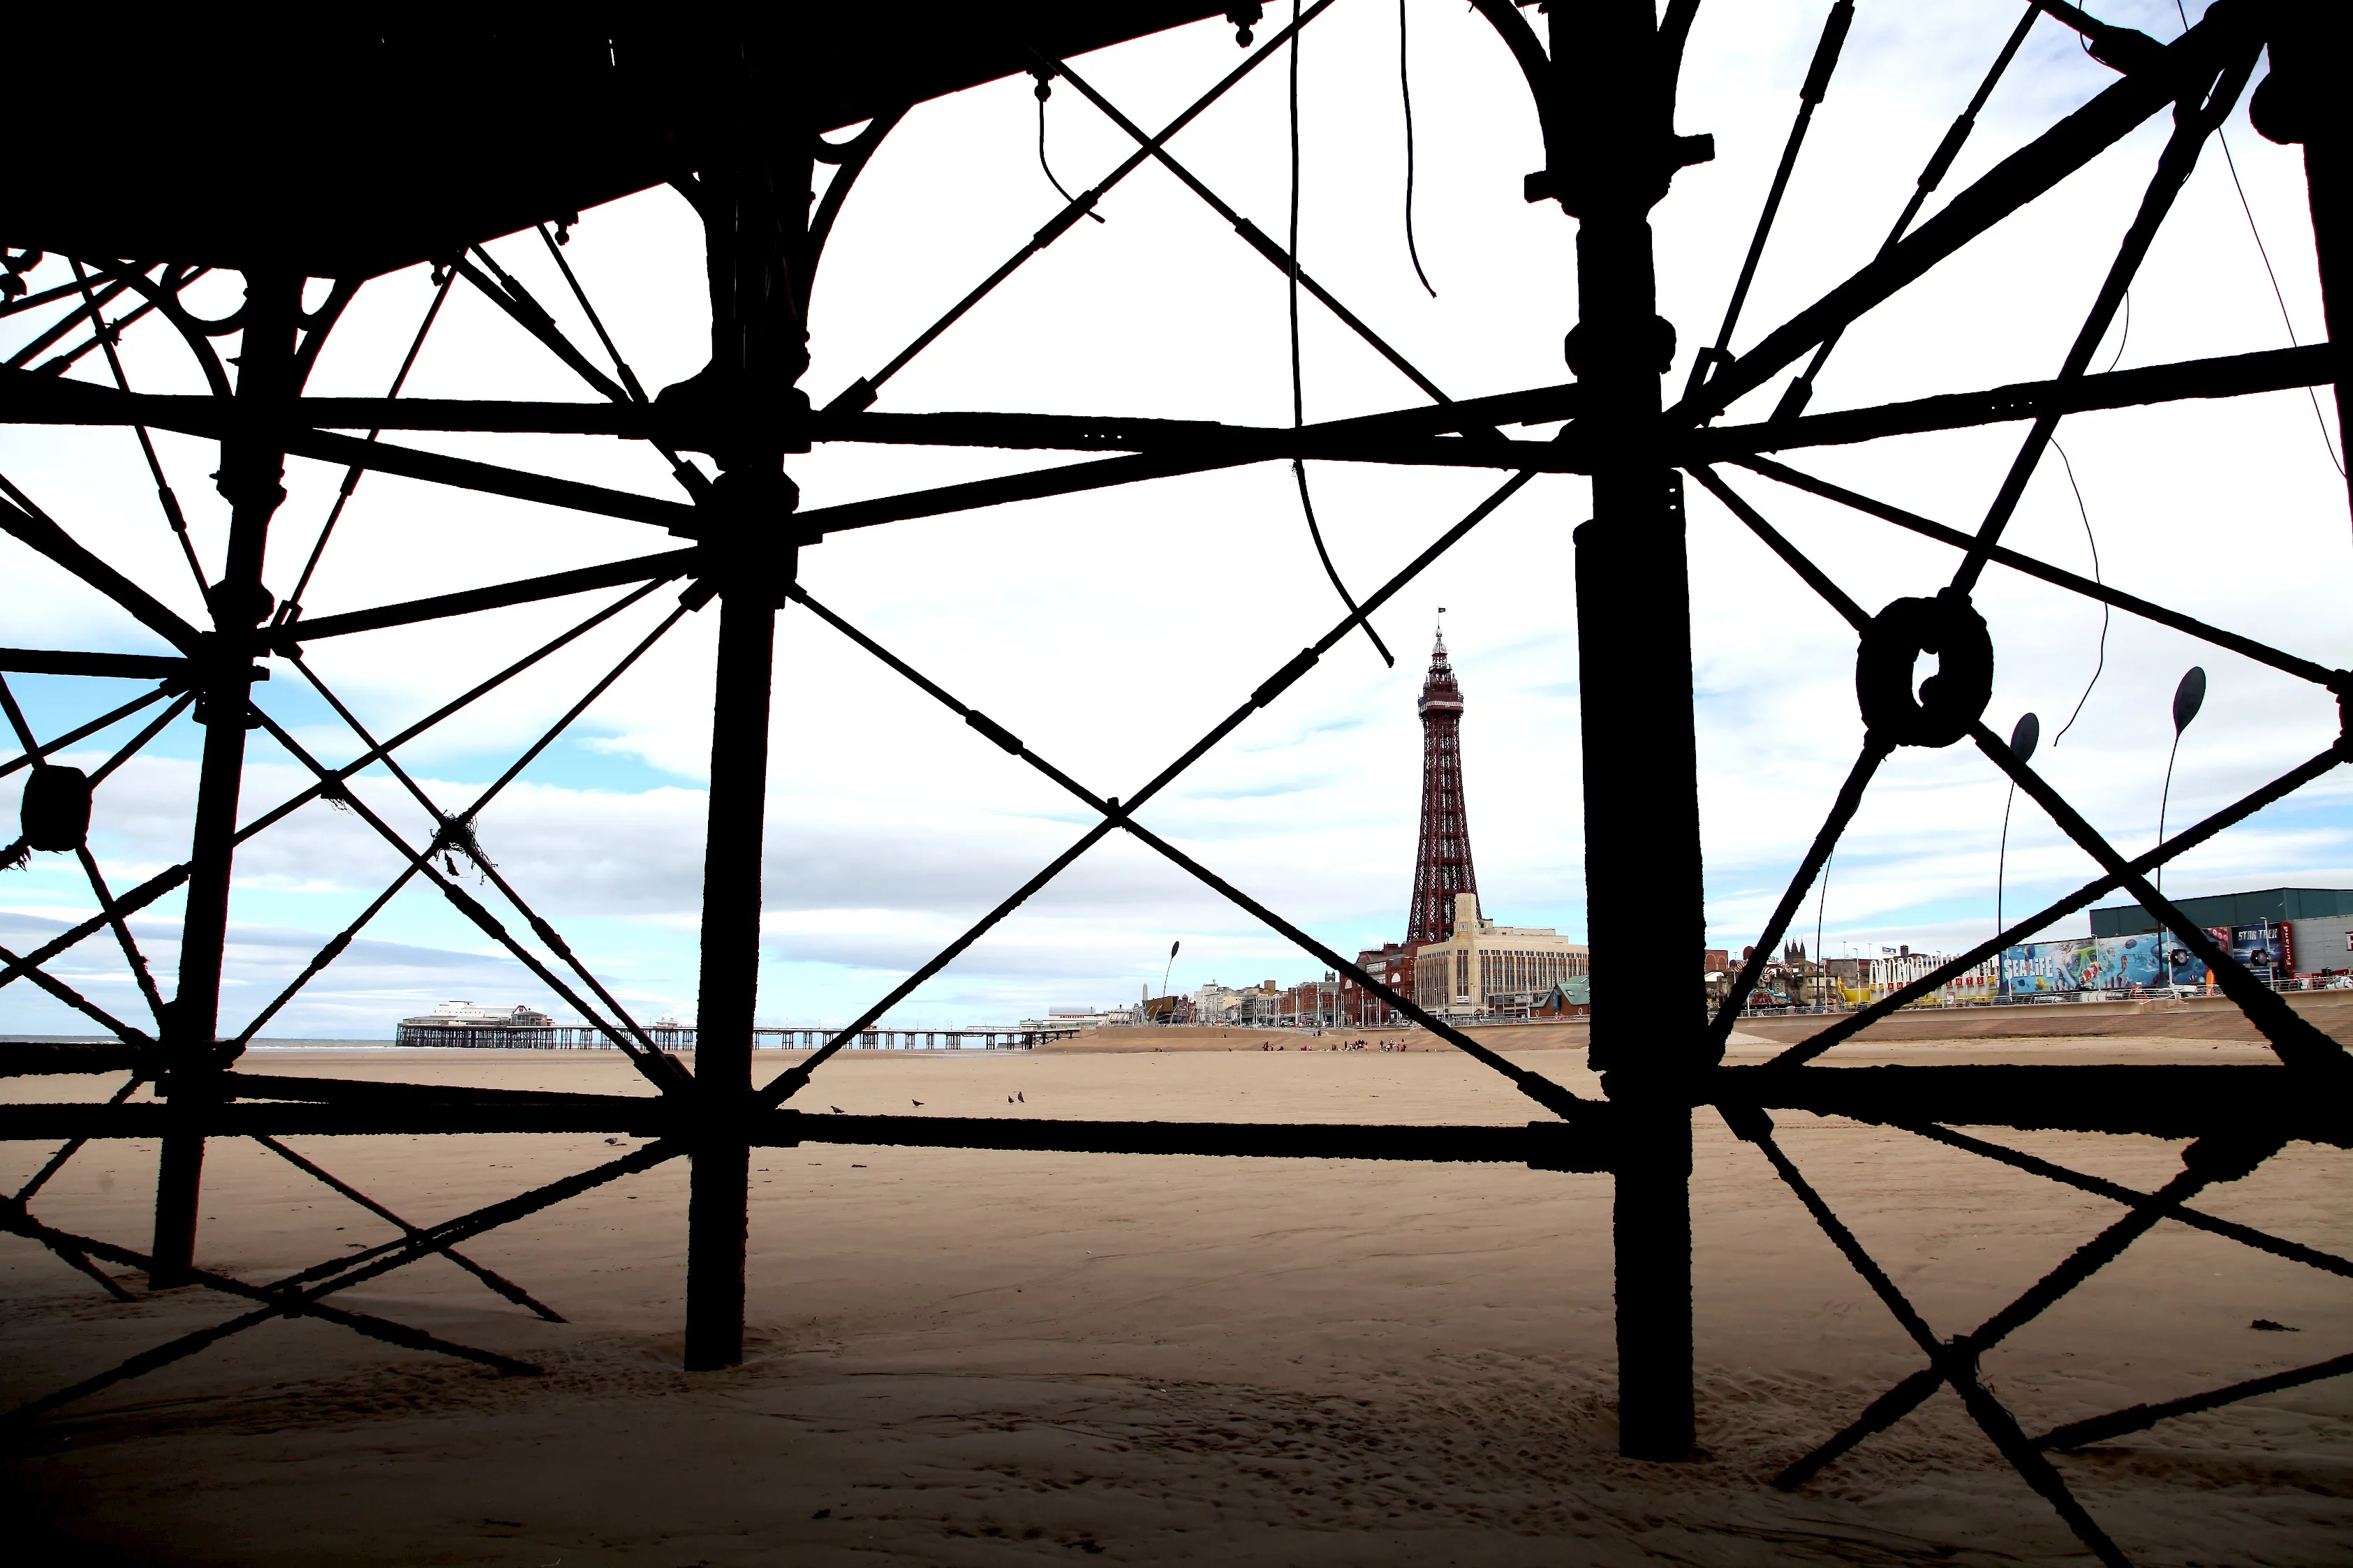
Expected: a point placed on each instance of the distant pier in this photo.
(547, 1036)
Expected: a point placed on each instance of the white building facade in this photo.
(1485, 967)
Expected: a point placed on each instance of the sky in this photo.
(1111, 630)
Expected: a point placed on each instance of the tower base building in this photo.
(1484, 968)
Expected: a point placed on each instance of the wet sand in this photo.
(981, 1358)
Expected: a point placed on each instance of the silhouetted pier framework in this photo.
(737, 121)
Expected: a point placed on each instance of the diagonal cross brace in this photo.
(166, 881)
(794, 1079)
(510, 296)
(13, 967)
(2190, 61)
(2188, 838)
(132, 955)
(36, 529)
(1552, 1096)
(2298, 1041)
(2278, 1021)
(1952, 1365)
(341, 1273)
(2204, 1163)
(277, 1301)
(490, 1277)
(442, 822)
(1258, 239)
(860, 393)
(109, 911)
(335, 945)
(661, 1068)
(84, 732)
(2193, 124)
(2197, 1219)
(1842, 809)
(50, 1167)
(2140, 1417)
(2261, 653)
(30, 968)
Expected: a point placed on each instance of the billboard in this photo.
(2266, 947)
(2158, 958)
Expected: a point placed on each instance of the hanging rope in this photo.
(1298, 384)
(2081, 510)
(1405, 93)
(1044, 92)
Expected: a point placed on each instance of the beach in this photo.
(969, 1357)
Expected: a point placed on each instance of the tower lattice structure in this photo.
(1442, 865)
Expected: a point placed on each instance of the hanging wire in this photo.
(1405, 93)
(1044, 92)
(2335, 459)
(2085, 512)
(1298, 383)
(2126, 335)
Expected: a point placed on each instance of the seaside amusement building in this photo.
(466, 1024)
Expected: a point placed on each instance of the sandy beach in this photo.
(980, 1358)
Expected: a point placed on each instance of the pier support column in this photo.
(251, 480)
(752, 196)
(2297, 103)
(1612, 152)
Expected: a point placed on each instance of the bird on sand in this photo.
(915, 1102)
(1021, 1097)
(837, 1109)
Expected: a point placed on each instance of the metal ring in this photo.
(1948, 701)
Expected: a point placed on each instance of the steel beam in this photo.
(753, 198)
(2300, 101)
(251, 474)
(1609, 119)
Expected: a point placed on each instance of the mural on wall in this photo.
(2151, 958)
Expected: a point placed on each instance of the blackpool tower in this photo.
(1442, 867)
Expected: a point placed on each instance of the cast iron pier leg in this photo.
(1612, 153)
(754, 200)
(250, 475)
(2298, 102)
(718, 1209)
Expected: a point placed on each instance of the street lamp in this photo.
(2187, 697)
(2022, 740)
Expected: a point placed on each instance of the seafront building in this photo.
(467, 1024)
(1484, 968)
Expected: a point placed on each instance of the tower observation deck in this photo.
(1442, 867)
